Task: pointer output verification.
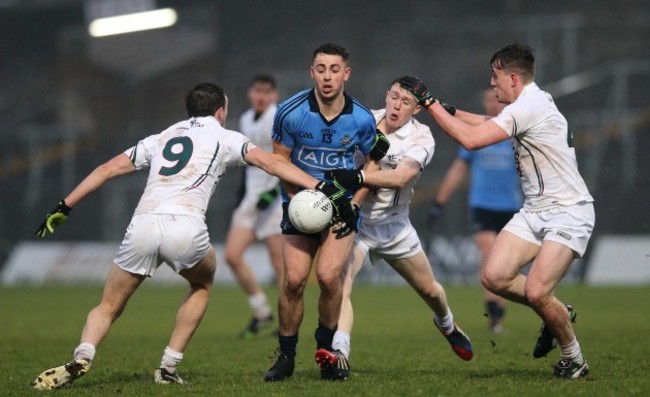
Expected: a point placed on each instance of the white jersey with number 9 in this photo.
(186, 161)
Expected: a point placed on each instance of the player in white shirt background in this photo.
(385, 231)
(557, 219)
(185, 163)
(258, 215)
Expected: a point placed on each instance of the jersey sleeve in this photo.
(512, 119)
(465, 155)
(423, 146)
(141, 153)
(236, 147)
(367, 132)
(283, 130)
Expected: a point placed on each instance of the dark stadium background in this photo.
(69, 101)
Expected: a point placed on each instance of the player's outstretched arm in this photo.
(470, 137)
(118, 165)
(390, 178)
(471, 118)
(453, 178)
(279, 165)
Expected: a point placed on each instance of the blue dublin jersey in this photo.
(319, 145)
(494, 179)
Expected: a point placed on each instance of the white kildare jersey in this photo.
(186, 161)
(413, 140)
(544, 153)
(259, 132)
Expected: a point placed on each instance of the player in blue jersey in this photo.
(319, 130)
(494, 196)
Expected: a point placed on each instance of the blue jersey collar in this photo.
(313, 106)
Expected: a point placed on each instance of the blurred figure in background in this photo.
(258, 215)
(494, 196)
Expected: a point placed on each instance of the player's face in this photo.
(400, 106)
(503, 84)
(330, 72)
(491, 105)
(261, 95)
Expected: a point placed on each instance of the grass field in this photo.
(396, 350)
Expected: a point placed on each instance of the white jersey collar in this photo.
(402, 132)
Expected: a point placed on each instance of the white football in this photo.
(310, 211)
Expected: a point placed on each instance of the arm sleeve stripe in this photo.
(284, 112)
(363, 108)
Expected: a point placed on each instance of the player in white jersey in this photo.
(386, 231)
(258, 215)
(185, 163)
(557, 219)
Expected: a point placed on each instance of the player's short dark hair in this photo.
(264, 79)
(204, 100)
(332, 49)
(515, 57)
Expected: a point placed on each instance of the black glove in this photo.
(267, 198)
(435, 212)
(420, 91)
(348, 219)
(53, 219)
(336, 195)
(346, 179)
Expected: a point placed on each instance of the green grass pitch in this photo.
(396, 350)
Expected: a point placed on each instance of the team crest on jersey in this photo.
(345, 140)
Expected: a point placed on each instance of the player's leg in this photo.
(341, 339)
(118, 288)
(200, 278)
(330, 272)
(500, 270)
(494, 304)
(545, 274)
(416, 270)
(237, 241)
(274, 247)
(298, 253)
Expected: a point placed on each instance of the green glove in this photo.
(267, 198)
(53, 219)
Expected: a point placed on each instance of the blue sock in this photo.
(288, 345)
(495, 311)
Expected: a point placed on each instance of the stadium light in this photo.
(135, 22)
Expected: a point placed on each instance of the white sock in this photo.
(446, 324)
(341, 342)
(85, 351)
(572, 352)
(260, 305)
(170, 359)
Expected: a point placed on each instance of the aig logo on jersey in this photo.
(322, 158)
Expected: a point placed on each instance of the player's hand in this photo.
(347, 220)
(346, 179)
(53, 219)
(435, 212)
(420, 91)
(267, 198)
(336, 195)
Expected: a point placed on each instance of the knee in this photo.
(329, 280)
(492, 280)
(294, 284)
(232, 258)
(536, 297)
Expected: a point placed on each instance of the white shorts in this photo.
(390, 241)
(178, 240)
(264, 223)
(568, 225)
